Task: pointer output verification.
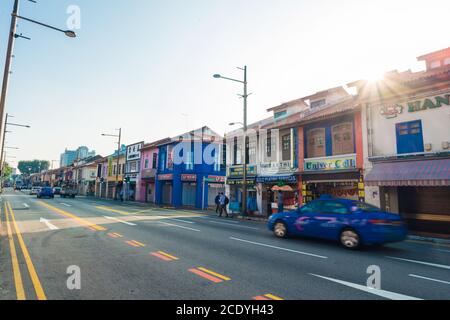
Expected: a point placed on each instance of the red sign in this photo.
(165, 176)
(189, 177)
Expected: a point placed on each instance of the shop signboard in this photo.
(240, 182)
(189, 177)
(330, 163)
(215, 179)
(277, 179)
(165, 177)
(276, 168)
(238, 171)
(392, 110)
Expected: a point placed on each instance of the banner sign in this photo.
(238, 171)
(335, 163)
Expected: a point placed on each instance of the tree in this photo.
(7, 170)
(33, 166)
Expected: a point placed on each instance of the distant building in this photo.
(70, 156)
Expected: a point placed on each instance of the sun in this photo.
(374, 76)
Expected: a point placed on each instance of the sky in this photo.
(146, 66)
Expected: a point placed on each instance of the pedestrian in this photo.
(217, 201)
(223, 204)
(227, 201)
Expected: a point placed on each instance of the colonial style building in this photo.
(145, 185)
(190, 170)
(406, 128)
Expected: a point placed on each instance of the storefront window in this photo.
(316, 143)
(286, 147)
(343, 138)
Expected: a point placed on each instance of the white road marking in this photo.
(118, 220)
(216, 219)
(378, 292)
(26, 205)
(426, 278)
(279, 248)
(175, 225)
(233, 225)
(48, 224)
(65, 204)
(190, 222)
(443, 266)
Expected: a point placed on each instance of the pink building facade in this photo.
(145, 185)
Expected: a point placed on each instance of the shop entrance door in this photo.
(167, 194)
(189, 192)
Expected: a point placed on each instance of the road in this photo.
(117, 251)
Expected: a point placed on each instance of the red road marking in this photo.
(131, 243)
(205, 275)
(160, 256)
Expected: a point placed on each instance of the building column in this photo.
(359, 141)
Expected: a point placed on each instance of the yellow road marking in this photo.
(168, 255)
(118, 235)
(139, 243)
(70, 215)
(32, 271)
(271, 296)
(214, 274)
(20, 292)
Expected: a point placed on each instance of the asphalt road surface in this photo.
(87, 248)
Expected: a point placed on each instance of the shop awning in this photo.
(410, 173)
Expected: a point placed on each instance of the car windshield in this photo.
(364, 207)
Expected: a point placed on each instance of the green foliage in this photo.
(33, 166)
(7, 170)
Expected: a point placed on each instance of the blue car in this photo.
(350, 222)
(46, 192)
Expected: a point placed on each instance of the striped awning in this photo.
(410, 173)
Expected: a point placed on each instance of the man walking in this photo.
(223, 204)
(217, 202)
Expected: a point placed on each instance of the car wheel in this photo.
(280, 230)
(350, 239)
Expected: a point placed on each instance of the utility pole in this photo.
(9, 53)
(244, 124)
(244, 174)
(3, 143)
(117, 167)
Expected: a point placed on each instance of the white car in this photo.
(35, 190)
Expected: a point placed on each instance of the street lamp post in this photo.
(5, 126)
(244, 171)
(119, 136)
(9, 52)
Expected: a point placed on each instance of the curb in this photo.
(428, 239)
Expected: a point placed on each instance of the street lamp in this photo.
(9, 52)
(244, 124)
(4, 136)
(119, 136)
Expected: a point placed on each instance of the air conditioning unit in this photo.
(428, 147)
(445, 145)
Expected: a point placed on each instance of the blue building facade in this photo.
(190, 173)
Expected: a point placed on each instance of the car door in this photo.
(300, 223)
(328, 222)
